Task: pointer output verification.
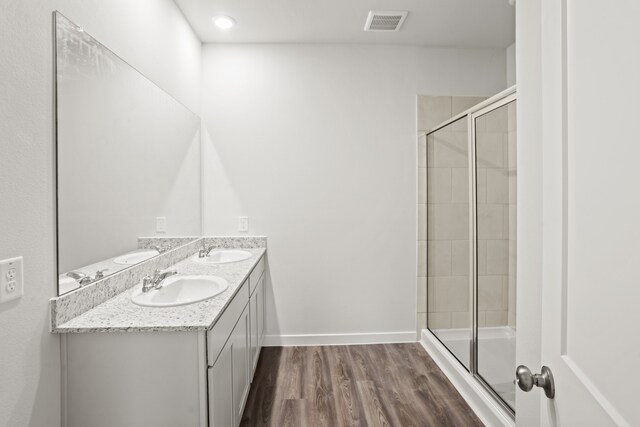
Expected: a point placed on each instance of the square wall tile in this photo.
(482, 322)
(448, 221)
(489, 150)
(460, 104)
(452, 293)
(450, 149)
(482, 257)
(497, 257)
(431, 294)
(460, 185)
(481, 184)
(497, 186)
(438, 185)
(460, 125)
(496, 318)
(439, 321)
(461, 319)
(460, 257)
(496, 120)
(438, 258)
(490, 221)
(489, 293)
(433, 110)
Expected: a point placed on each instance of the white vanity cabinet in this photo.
(167, 379)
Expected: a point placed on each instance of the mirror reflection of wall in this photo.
(128, 160)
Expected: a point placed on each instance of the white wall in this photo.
(152, 36)
(317, 145)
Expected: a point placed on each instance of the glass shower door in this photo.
(495, 175)
(448, 238)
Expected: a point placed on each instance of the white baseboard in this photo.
(339, 339)
(480, 401)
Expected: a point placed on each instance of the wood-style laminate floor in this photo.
(362, 385)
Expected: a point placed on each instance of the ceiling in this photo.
(449, 23)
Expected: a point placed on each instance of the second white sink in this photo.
(223, 256)
(181, 290)
(136, 257)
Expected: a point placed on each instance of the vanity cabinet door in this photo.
(253, 318)
(262, 305)
(257, 323)
(221, 407)
(241, 357)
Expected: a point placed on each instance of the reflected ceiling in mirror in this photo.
(128, 162)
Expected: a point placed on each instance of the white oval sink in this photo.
(223, 256)
(181, 290)
(136, 257)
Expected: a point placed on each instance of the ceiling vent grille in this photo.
(385, 20)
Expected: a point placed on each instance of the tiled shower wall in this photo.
(443, 296)
(496, 178)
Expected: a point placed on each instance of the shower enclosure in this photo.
(471, 242)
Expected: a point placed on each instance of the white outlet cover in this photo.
(161, 224)
(243, 223)
(11, 279)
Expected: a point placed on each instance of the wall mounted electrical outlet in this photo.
(11, 275)
(161, 224)
(243, 223)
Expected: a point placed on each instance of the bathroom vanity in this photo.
(189, 365)
(137, 350)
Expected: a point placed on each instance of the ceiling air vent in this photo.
(385, 20)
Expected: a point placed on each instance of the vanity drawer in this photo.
(254, 277)
(218, 335)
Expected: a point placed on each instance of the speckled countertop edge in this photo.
(120, 314)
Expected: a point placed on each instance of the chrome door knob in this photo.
(526, 380)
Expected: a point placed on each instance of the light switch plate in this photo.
(243, 223)
(11, 275)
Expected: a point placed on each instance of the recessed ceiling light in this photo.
(223, 22)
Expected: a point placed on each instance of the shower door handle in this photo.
(526, 380)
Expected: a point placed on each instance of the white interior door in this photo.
(590, 164)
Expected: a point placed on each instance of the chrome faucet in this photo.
(205, 251)
(155, 281)
(79, 277)
(100, 274)
(161, 248)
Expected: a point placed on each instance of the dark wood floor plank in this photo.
(348, 404)
(293, 413)
(396, 385)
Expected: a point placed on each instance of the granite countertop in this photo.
(120, 314)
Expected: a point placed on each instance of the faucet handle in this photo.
(100, 274)
(147, 283)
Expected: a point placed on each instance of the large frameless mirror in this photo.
(128, 162)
